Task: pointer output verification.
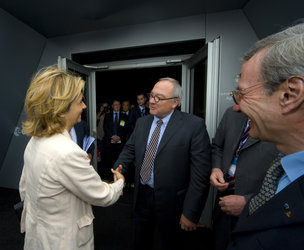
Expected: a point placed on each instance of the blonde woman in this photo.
(58, 184)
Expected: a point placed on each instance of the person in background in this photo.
(139, 111)
(239, 164)
(103, 110)
(115, 128)
(79, 132)
(126, 107)
(173, 163)
(58, 185)
(271, 93)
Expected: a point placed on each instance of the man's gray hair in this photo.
(177, 89)
(284, 56)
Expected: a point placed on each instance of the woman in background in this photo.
(58, 184)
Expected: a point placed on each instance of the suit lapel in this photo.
(147, 126)
(174, 124)
(239, 127)
(283, 209)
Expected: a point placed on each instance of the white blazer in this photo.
(58, 186)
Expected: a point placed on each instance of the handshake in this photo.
(117, 174)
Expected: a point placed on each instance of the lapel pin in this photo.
(286, 207)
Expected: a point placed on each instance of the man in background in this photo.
(239, 164)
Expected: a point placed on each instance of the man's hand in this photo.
(186, 224)
(232, 204)
(115, 139)
(217, 180)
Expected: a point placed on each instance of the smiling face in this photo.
(261, 109)
(163, 89)
(73, 115)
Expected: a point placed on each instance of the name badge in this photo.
(122, 123)
(233, 166)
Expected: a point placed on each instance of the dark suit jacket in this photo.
(82, 130)
(269, 227)
(135, 113)
(182, 164)
(255, 156)
(108, 125)
(254, 160)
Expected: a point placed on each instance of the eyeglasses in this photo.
(237, 95)
(157, 98)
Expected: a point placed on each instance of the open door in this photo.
(201, 73)
(90, 94)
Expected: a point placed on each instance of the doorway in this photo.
(126, 84)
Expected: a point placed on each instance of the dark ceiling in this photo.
(66, 17)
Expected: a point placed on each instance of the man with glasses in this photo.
(173, 163)
(271, 93)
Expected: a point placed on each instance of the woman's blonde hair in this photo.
(50, 95)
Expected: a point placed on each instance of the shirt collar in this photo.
(293, 165)
(165, 119)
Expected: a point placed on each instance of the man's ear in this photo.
(176, 102)
(292, 94)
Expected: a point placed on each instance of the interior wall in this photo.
(180, 29)
(273, 15)
(233, 27)
(236, 36)
(20, 50)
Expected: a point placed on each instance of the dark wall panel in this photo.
(20, 50)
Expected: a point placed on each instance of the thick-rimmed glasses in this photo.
(158, 98)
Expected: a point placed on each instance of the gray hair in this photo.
(177, 89)
(284, 57)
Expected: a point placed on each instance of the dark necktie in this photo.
(115, 127)
(146, 168)
(143, 112)
(269, 185)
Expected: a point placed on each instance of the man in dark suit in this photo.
(244, 162)
(115, 129)
(139, 111)
(271, 93)
(171, 184)
(78, 133)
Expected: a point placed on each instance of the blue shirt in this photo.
(114, 115)
(162, 130)
(293, 166)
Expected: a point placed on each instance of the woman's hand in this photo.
(117, 175)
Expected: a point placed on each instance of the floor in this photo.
(112, 225)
